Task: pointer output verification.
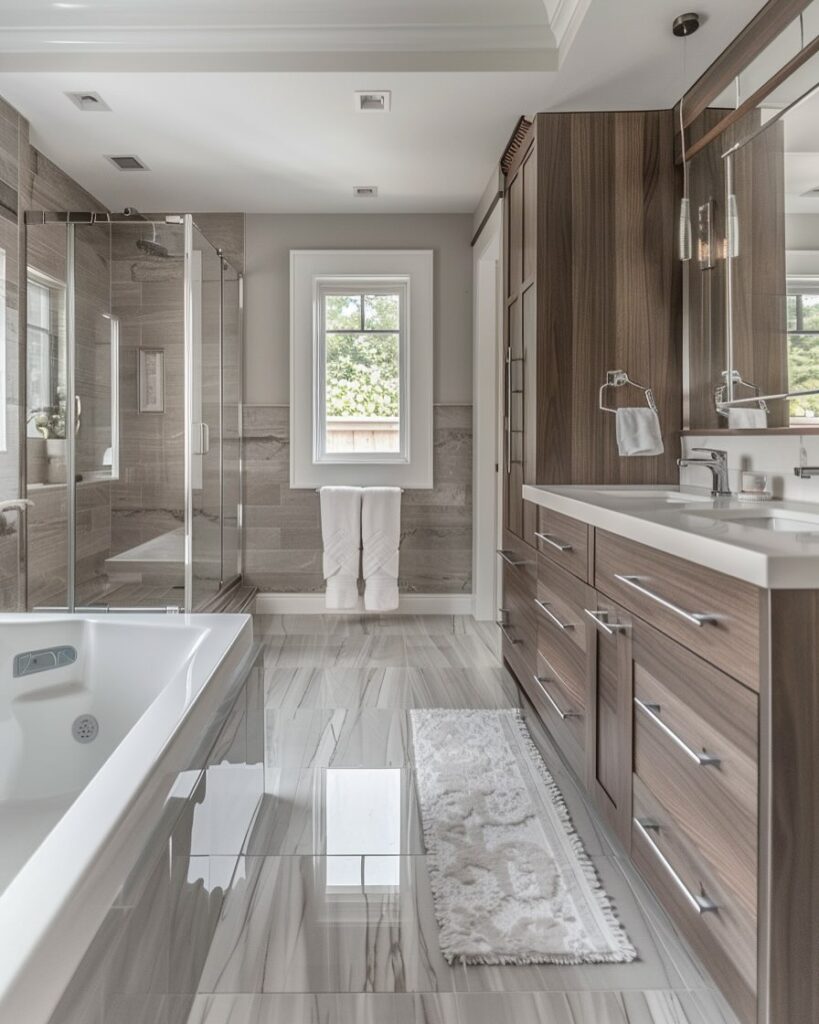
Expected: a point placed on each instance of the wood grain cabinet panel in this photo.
(564, 541)
(563, 710)
(673, 592)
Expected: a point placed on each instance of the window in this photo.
(803, 349)
(361, 361)
(361, 368)
(46, 356)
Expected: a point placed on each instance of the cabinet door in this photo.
(610, 751)
(514, 421)
(530, 407)
(514, 235)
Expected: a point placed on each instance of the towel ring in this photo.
(721, 391)
(618, 379)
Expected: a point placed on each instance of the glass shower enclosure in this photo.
(133, 418)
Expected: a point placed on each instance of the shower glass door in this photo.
(204, 354)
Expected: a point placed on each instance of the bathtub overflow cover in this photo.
(85, 729)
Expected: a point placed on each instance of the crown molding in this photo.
(565, 18)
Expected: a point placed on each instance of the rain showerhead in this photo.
(152, 248)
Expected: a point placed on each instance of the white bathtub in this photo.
(141, 694)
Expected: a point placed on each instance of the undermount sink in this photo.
(663, 495)
(779, 520)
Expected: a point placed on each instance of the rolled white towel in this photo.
(341, 535)
(749, 417)
(638, 432)
(381, 535)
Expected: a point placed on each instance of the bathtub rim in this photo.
(51, 910)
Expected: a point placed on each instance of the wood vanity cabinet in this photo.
(687, 703)
(591, 283)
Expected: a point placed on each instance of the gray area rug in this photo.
(511, 881)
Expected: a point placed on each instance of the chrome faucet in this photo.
(718, 464)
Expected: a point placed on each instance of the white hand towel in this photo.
(638, 432)
(341, 534)
(749, 417)
(381, 535)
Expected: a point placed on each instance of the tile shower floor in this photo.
(329, 918)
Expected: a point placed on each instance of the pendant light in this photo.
(682, 27)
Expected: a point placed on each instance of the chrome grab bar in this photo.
(547, 611)
(541, 681)
(609, 628)
(695, 618)
(549, 538)
(653, 712)
(502, 627)
(701, 904)
(511, 561)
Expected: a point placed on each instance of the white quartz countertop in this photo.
(774, 544)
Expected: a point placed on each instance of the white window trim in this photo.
(309, 269)
(330, 285)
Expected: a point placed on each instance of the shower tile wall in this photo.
(283, 551)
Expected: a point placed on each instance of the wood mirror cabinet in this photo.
(752, 283)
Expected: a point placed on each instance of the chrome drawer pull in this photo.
(610, 628)
(502, 627)
(552, 617)
(695, 618)
(701, 904)
(511, 561)
(653, 712)
(563, 714)
(549, 538)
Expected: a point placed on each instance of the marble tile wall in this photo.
(283, 551)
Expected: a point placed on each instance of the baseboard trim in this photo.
(410, 604)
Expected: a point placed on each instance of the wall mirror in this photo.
(753, 283)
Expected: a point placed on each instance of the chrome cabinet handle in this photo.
(547, 611)
(502, 627)
(549, 538)
(653, 712)
(701, 904)
(695, 618)
(563, 714)
(609, 628)
(511, 561)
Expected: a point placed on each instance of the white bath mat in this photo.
(510, 879)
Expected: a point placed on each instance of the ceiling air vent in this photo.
(376, 102)
(88, 100)
(365, 191)
(127, 163)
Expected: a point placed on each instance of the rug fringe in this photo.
(625, 951)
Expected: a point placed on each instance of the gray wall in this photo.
(269, 239)
(282, 526)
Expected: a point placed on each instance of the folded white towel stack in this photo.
(749, 417)
(381, 535)
(341, 533)
(638, 432)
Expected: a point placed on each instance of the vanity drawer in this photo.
(564, 541)
(519, 623)
(721, 929)
(561, 603)
(674, 595)
(563, 710)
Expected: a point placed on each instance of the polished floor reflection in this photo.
(328, 916)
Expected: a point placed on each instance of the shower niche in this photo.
(133, 418)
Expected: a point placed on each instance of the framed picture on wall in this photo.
(151, 380)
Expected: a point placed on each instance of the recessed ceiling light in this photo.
(373, 102)
(88, 100)
(127, 163)
(365, 191)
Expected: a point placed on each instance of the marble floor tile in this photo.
(336, 737)
(310, 625)
(336, 924)
(337, 652)
(466, 651)
(337, 811)
(322, 1008)
(393, 687)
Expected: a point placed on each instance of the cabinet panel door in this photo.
(529, 215)
(514, 261)
(514, 454)
(609, 765)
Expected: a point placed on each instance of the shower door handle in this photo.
(77, 414)
(201, 434)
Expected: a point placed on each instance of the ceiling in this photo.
(258, 114)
